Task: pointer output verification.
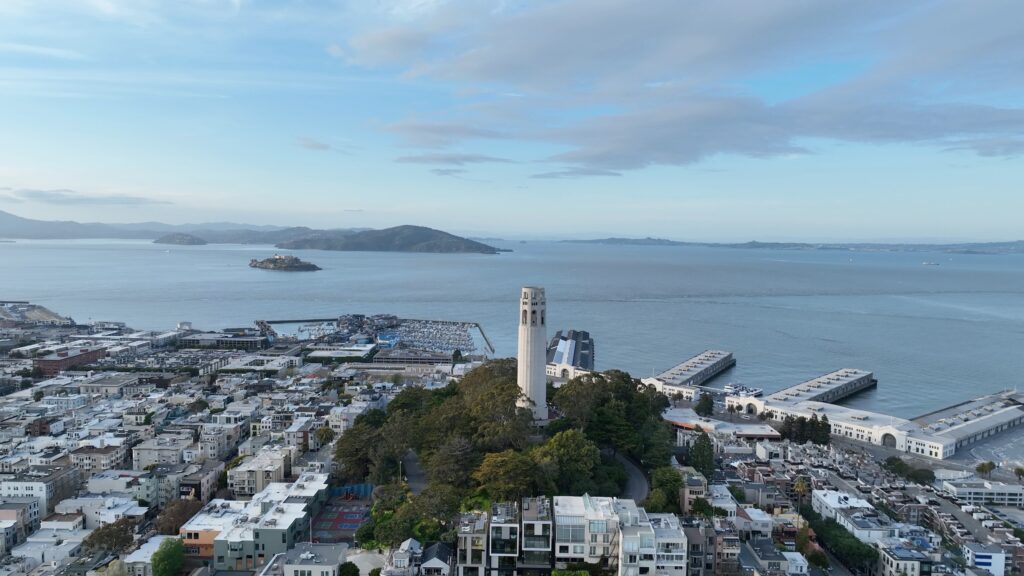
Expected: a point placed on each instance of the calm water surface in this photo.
(933, 335)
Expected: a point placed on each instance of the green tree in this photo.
(657, 501)
(1019, 473)
(738, 494)
(731, 409)
(818, 559)
(175, 514)
(37, 396)
(113, 537)
(802, 489)
(705, 405)
(568, 459)
(654, 449)
(702, 456)
(507, 475)
(452, 463)
(923, 476)
(825, 432)
(347, 569)
(985, 468)
(169, 558)
(702, 507)
(198, 406)
(438, 503)
(324, 436)
(489, 395)
(355, 450)
(669, 481)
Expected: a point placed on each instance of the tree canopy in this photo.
(705, 405)
(175, 514)
(113, 537)
(702, 456)
(169, 558)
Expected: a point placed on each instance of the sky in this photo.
(685, 119)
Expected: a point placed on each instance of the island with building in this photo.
(284, 263)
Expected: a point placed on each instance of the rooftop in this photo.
(816, 388)
(504, 513)
(537, 509)
(145, 552)
(681, 373)
(306, 553)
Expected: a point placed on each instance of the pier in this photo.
(687, 378)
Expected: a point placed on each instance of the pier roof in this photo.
(817, 388)
(681, 373)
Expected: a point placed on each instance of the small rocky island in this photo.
(284, 264)
(180, 239)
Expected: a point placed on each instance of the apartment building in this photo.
(670, 540)
(238, 535)
(637, 552)
(255, 473)
(471, 544)
(537, 534)
(584, 524)
(49, 484)
(503, 539)
(91, 459)
(167, 448)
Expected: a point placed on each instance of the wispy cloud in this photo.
(452, 159)
(42, 51)
(448, 171)
(441, 134)
(312, 144)
(71, 197)
(576, 173)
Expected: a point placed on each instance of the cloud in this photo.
(991, 147)
(575, 173)
(448, 171)
(451, 159)
(312, 144)
(440, 134)
(65, 197)
(621, 85)
(43, 51)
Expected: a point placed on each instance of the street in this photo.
(636, 487)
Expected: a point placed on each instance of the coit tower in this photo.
(532, 376)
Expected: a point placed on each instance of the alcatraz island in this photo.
(284, 264)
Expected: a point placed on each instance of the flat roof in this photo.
(817, 387)
(681, 373)
(307, 553)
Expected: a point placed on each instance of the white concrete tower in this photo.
(532, 376)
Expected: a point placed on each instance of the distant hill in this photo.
(1014, 247)
(397, 239)
(12, 226)
(180, 239)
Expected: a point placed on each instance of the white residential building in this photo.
(828, 502)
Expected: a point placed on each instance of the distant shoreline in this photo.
(973, 248)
